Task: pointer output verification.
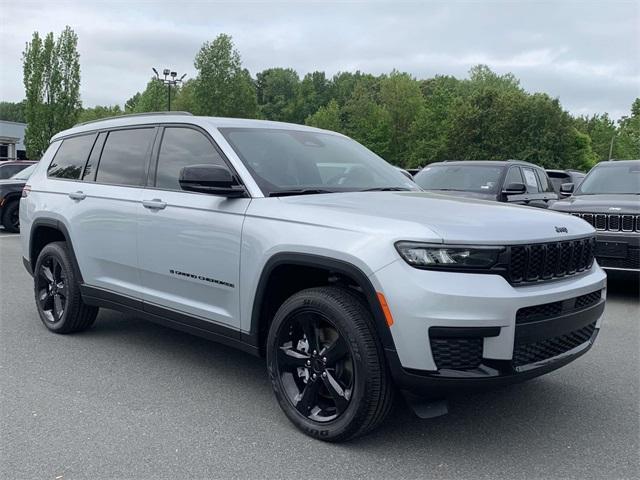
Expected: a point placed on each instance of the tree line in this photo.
(408, 121)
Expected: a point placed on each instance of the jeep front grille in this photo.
(546, 261)
(611, 222)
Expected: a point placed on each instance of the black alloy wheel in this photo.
(326, 364)
(315, 366)
(51, 286)
(56, 288)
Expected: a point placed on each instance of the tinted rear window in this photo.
(71, 157)
(124, 157)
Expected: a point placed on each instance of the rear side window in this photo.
(545, 185)
(182, 147)
(71, 157)
(124, 157)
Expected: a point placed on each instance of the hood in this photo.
(456, 193)
(609, 203)
(431, 217)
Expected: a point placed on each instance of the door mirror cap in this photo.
(213, 179)
(566, 188)
(515, 189)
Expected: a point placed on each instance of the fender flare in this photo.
(62, 228)
(328, 263)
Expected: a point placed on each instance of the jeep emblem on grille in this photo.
(562, 230)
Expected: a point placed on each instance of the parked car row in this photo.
(302, 246)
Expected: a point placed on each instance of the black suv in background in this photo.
(564, 177)
(9, 168)
(509, 181)
(609, 199)
(10, 193)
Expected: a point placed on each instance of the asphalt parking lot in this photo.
(129, 399)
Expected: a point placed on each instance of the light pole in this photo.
(611, 145)
(172, 80)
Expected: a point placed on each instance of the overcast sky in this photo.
(586, 53)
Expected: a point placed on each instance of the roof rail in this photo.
(129, 115)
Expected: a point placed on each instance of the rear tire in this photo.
(57, 292)
(11, 218)
(342, 391)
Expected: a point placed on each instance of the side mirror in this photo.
(515, 189)
(213, 179)
(566, 188)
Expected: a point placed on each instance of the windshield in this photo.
(24, 174)
(622, 179)
(300, 162)
(464, 178)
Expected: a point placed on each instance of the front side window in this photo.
(124, 157)
(514, 175)
(180, 148)
(284, 161)
(464, 178)
(623, 178)
(71, 157)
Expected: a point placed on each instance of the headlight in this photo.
(424, 255)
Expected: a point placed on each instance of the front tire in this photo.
(57, 292)
(11, 218)
(327, 366)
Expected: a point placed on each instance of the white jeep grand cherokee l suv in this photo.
(301, 245)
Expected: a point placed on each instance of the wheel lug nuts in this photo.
(308, 363)
(315, 352)
(324, 359)
(315, 376)
(324, 374)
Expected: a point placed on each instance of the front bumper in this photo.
(458, 330)
(618, 250)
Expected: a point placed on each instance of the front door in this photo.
(189, 243)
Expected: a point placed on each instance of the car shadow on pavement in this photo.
(481, 420)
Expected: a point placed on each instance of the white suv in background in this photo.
(301, 245)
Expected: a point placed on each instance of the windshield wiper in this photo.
(301, 191)
(386, 189)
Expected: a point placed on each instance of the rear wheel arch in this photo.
(319, 271)
(49, 230)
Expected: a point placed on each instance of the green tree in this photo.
(51, 75)
(368, 122)
(12, 111)
(277, 92)
(98, 112)
(401, 97)
(153, 98)
(327, 117)
(223, 87)
(130, 105)
(314, 92)
(627, 142)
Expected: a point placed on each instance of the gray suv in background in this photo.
(302, 246)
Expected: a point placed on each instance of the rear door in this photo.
(189, 243)
(106, 208)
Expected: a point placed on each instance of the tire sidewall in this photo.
(57, 251)
(343, 425)
(6, 217)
